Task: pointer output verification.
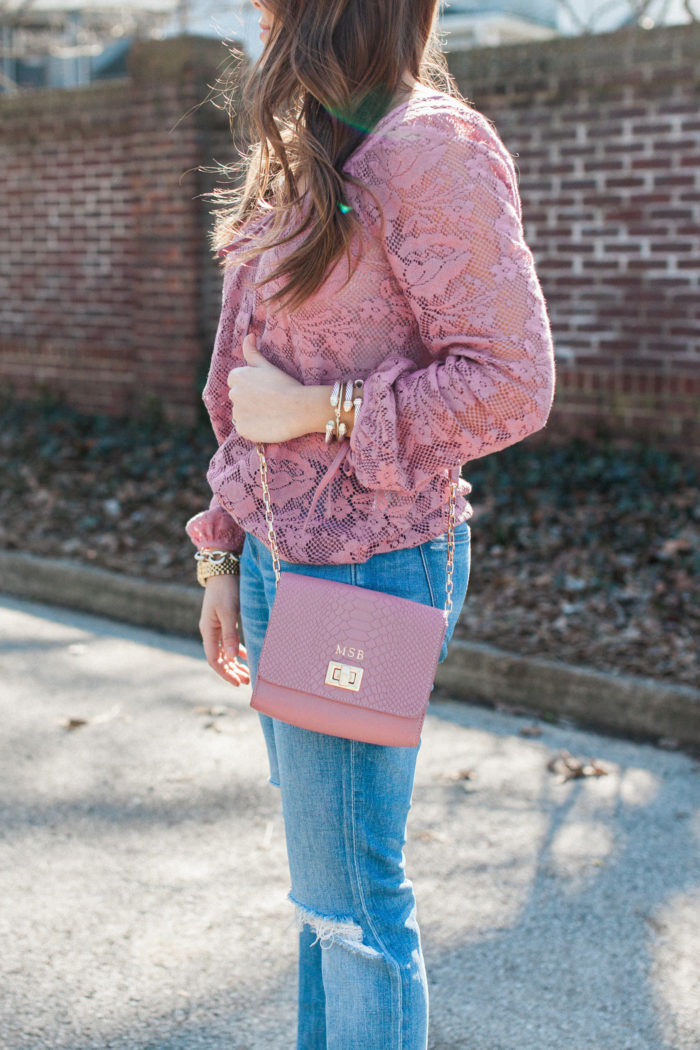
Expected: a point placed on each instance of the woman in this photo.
(377, 236)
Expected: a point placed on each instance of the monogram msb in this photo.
(349, 651)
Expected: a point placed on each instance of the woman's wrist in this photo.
(318, 410)
(212, 562)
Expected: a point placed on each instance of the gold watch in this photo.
(216, 563)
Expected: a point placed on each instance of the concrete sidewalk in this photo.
(143, 873)
(636, 707)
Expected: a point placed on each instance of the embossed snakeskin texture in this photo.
(400, 640)
(445, 321)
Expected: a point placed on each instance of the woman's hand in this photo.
(266, 401)
(218, 625)
(269, 405)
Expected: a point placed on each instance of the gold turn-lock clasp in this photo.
(345, 676)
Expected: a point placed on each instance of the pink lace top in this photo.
(444, 320)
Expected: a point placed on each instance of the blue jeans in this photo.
(362, 982)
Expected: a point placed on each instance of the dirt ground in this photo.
(583, 552)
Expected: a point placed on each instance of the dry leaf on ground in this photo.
(570, 768)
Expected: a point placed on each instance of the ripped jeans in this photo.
(362, 982)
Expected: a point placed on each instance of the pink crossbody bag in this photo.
(347, 660)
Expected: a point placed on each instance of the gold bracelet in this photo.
(339, 433)
(332, 424)
(347, 403)
(335, 393)
(357, 400)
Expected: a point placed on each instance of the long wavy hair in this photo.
(329, 71)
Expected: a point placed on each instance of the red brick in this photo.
(626, 181)
(672, 246)
(674, 180)
(603, 164)
(641, 163)
(579, 184)
(628, 111)
(647, 264)
(645, 128)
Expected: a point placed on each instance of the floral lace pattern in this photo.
(445, 321)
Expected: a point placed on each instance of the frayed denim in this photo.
(362, 982)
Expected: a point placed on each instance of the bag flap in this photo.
(395, 642)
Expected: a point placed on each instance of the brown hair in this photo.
(329, 72)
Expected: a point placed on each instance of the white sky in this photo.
(238, 18)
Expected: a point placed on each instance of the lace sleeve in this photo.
(215, 528)
(453, 235)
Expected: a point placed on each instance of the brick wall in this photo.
(606, 132)
(109, 298)
(101, 276)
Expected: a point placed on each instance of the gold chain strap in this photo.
(268, 513)
(273, 538)
(450, 550)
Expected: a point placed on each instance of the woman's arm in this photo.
(454, 239)
(308, 412)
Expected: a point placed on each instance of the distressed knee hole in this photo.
(329, 929)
